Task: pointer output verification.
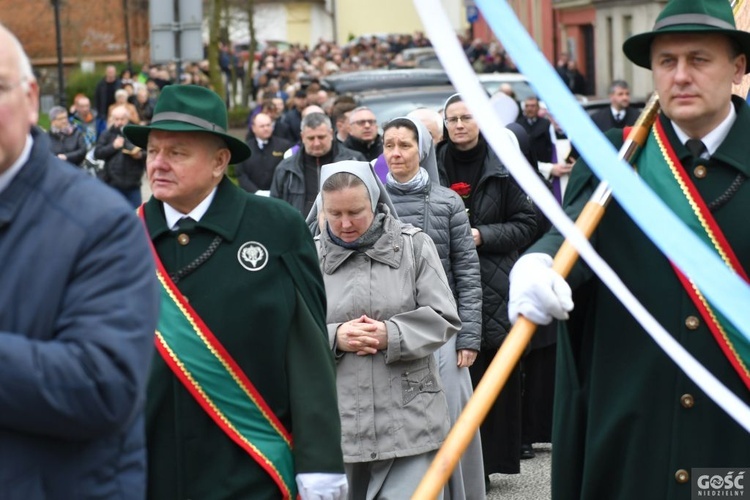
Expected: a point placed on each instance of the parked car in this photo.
(518, 82)
(409, 58)
(391, 103)
(358, 81)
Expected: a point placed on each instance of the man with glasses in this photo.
(363, 133)
(502, 222)
(78, 309)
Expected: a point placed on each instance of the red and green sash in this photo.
(218, 384)
(680, 193)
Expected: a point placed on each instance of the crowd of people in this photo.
(320, 323)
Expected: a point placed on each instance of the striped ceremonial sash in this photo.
(680, 193)
(219, 385)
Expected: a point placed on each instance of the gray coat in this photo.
(289, 178)
(440, 213)
(391, 403)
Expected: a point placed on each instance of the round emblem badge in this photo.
(252, 256)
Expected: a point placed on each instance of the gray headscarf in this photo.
(427, 158)
(365, 172)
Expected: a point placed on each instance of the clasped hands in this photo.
(362, 335)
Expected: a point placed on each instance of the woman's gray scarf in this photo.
(416, 183)
(367, 240)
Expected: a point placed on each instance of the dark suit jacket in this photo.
(541, 141)
(605, 121)
(257, 171)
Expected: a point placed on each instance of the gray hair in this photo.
(24, 65)
(56, 111)
(622, 84)
(357, 110)
(315, 120)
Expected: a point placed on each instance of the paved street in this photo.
(533, 483)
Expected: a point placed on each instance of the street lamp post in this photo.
(127, 34)
(58, 34)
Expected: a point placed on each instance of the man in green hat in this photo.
(241, 399)
(628, 422)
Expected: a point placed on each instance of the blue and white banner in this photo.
(722, 287)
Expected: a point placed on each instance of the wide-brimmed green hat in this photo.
(189, 108)
(688, 16)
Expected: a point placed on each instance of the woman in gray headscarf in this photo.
(414, 188)
(389, 308)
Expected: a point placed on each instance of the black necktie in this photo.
(186, 224)
(696, 147)
(619, 117)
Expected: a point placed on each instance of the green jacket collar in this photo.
(733, 151)
(223, 216)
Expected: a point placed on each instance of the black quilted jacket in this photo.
(505, 218)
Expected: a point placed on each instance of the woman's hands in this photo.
(466, 357)
(362, 335)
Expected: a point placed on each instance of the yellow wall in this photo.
(298, 21)
(359, 17)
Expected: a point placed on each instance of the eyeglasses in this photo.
(362, 123)
(453, 120)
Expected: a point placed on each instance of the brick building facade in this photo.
(92, 30)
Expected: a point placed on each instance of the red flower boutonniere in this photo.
(462, 189)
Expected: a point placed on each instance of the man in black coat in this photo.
(538, 129)
(124, 162)
(619, 114)
(256, 172)
(363, 133)
(104, 96)
(289, 123)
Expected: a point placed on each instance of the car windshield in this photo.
(389, 105)
(521, 88)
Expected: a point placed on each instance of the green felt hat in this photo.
(189, 108)
(688, 16)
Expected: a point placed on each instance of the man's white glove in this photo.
(538, 292)
(322, 486)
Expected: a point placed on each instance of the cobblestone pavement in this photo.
(533, 483)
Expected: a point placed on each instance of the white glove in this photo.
(538, 292)
(322, 486)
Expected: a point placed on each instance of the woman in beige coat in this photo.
(389, 308)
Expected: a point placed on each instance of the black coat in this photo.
(104, 96)
(605, 121)
(541, 140)
(121, 171)
(369, 150)
(289, 125)
(73, 146)
(503, 214)
(257, 171)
